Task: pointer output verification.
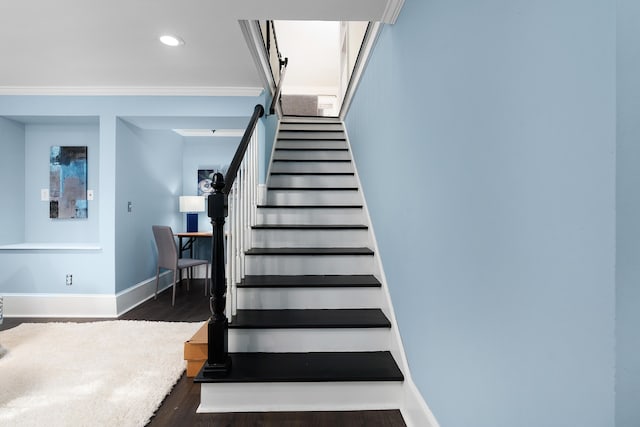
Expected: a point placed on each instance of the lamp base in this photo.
(192, 222)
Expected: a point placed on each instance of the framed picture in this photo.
(205, 178)
(68, 182)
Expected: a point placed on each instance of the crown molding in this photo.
(391, 12)
(131, 90)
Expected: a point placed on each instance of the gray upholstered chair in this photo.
(169, 259)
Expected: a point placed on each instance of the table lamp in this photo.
(192, 205)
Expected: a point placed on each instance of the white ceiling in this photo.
(112, 47)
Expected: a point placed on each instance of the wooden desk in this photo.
(190, 239)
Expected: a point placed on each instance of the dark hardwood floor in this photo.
(179, 407)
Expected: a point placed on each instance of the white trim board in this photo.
(40, 305)
(131, 91)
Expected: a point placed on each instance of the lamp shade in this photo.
(191, 203)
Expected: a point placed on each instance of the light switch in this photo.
(44, 194)
(89, 194)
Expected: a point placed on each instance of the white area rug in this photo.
(111, 373)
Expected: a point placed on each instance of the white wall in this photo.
(314, 52)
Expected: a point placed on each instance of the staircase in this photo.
(312, 329)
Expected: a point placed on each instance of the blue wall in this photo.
(12, 175)
(628, 220)
(39, 138)
(484, 135)
(149, 175)
(129, 167)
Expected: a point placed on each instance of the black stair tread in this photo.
(310, 281)
(313, 160)
(309, 251)
(271, 206)
(315, 188)
(309, 130)
(307, 149)
(309, 367)
(310, 227)
(310, 318)
(313, 173)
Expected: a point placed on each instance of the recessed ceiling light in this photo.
(170, 40)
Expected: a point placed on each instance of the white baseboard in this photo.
(59, 305)
(134, 296)
(81, 305)
(414, 409)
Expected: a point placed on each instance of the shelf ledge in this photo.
(51, 247)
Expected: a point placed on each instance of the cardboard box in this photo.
(196, 351)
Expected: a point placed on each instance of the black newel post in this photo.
(218, 361)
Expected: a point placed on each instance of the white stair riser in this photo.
(315, 120)
(299, 396)
(318, 298)
(311, 127)
(311, 155)
(316, 143)
(318, 181)
(311, 167)
(313, 197)
(305, 340)
(311, 216)
(310, 238)
(310, 135)
(308, 264)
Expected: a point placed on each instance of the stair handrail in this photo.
(276, 95)
(234, 195)
(282, 64)
(230, 176)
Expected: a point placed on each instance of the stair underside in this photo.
(309, 367)
(325, 318)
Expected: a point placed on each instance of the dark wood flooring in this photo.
(179, 407)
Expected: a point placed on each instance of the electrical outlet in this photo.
(69, 279)
(44, 194)
(89, 194)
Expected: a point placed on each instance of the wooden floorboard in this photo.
(179, 407)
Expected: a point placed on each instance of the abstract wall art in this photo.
(68, 182)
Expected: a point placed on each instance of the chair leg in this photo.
(155, 296)
(175, 278)
(189, 273)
